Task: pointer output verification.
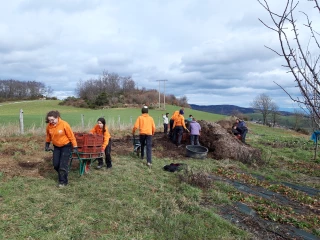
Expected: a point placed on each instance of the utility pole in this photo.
(164, 94)
(159, 91)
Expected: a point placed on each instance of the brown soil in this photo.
(15, 160)
(20, 160)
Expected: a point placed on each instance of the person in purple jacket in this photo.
(195, 130)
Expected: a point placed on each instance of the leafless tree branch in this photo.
(302, 63)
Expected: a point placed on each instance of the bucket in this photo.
(196, 151)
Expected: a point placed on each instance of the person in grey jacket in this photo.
(195, 130)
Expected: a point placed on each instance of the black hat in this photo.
(144, 109)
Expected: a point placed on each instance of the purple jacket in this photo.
(195, 128)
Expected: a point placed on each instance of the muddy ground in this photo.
(239, 214)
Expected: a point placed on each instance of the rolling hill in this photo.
(229, 109)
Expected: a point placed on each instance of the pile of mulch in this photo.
(224, 145)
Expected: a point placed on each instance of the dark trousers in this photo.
(194, 139)
(165, 127)
(171, 132)
(178, 130)
(61, 157)
(107, 153)
(146, 141)
(243, 132)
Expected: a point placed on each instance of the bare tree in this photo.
(301, 57)
(274, 113)
(263, 103)
(128, 85)
(298, 116)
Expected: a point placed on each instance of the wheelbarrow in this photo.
(137, 145)
(85, 160)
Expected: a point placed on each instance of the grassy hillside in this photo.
(286, 121)
(132, 201)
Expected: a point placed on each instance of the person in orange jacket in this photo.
(178, 126)
(101, 129)
(60, 134)
(172, 134)
(147, 128)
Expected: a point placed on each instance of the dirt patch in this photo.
(226, 124)
(29, 165)
(25, 158)
(13, 150)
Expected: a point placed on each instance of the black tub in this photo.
(195, 151)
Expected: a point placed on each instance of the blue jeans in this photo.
(146, 140)
(60, 160)
(194, 139)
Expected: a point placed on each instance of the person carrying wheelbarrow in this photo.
(60, 134)
(146, 126)
(101, 129)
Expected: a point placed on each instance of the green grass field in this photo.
(34, 113)
(134, 202)
(128, 202)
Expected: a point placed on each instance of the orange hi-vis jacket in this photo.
(174, 115)
(179, 121)
(61, 134)
(106, 135)
(145, 124)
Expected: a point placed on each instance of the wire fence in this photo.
(116, 125)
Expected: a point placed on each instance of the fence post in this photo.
(21, 122)
(119, 122)
(82, 120)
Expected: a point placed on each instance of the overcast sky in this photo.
(211, 51)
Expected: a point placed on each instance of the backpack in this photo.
(174, 167)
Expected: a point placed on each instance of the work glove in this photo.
(46, 148)
(75, 150)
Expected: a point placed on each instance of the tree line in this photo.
(113, 90)
(107, 90)
(18, 90)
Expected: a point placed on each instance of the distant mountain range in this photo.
(228, 109)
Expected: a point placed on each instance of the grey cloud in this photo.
(211, 52)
